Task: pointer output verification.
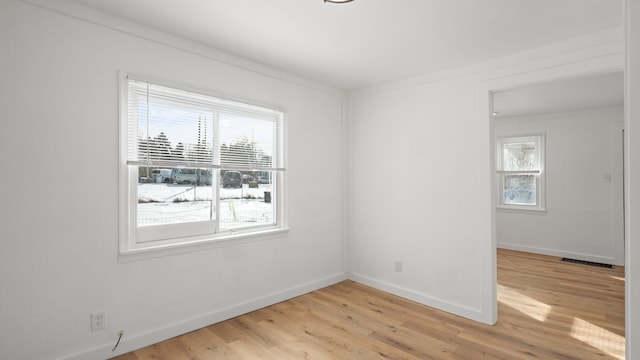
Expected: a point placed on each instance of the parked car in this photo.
(232, 179)
(191, 176)
(161, 175)
(246, 178)
(263, 180)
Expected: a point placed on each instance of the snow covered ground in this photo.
(171, 203)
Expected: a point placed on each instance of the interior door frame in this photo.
(486, 159)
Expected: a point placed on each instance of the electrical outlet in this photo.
(398, 266)
(98, 321)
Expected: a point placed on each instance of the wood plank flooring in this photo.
(547, 310)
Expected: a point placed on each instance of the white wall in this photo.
(414, 194)
(632, 177)
(583, 172)
(421, 187)
(59, 212)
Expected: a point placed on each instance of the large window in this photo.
(520, 167)
(196, 168)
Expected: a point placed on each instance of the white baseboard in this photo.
(456, 309)
(558, 253)
(132, 342)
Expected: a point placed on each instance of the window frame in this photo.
(539, 172)
(188, 236)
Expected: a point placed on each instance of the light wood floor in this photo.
(547, 310)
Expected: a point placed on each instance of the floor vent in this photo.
(590, 263)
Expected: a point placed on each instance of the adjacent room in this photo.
(573, 206)
(318, 179)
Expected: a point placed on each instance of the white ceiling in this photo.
(561, 95)
(368, 42)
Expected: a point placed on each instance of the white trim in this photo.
(99, 18)
(617, 192)
(521, 209)
(558, 253)
(424, 299)
(125, 207)
(517, 172)
(632, 178)
(159, 248)
(136, 341)
(607, 61)
(487, 195)
(593, 46)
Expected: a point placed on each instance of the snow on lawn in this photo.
(172, 203)
(177, 192)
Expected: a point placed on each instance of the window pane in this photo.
(246, 142)
(169, 196)
(246, 199)
(165, 125)
(520, 156)
(201, 163)
(519, 189)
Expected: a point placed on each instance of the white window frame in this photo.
(538, 172)
(180, 237)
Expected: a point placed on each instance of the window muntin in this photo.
(520, 163)
(176, 148)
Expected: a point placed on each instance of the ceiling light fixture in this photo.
(338, 1)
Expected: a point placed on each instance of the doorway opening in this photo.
(583, 216)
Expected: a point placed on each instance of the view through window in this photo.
(519, 167)
(199, 165)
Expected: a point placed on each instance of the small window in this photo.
(177, 151)
(520, 168)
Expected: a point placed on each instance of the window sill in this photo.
(521, 210)
(154, 250)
